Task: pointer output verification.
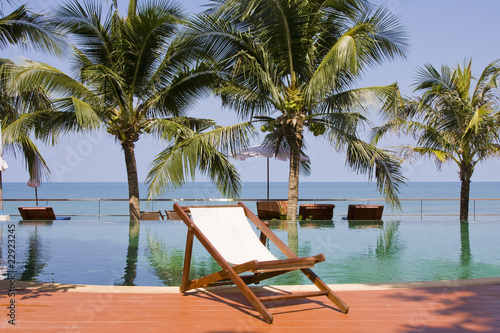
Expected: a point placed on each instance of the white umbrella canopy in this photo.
(268, 152)
(3, 164)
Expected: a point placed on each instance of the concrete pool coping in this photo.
(38, 286)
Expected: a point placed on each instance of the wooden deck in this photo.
(445, 307)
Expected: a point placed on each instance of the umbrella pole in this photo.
(36, 195)
(268, 179)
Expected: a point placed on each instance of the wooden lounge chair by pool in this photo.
(171, 215)
(365, 212)
(268, 210)
(153, 216)
(40, 213)
(227, 235)
(316, 211)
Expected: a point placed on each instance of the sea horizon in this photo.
(95, 199)
(277, 190)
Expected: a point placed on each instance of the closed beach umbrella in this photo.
(3, 166)
(35, 184)
(267, 152)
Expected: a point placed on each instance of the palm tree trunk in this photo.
(464, 200)
(295, 142)
(293, 186)
(133, 183)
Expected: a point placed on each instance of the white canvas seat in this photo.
(238, 243)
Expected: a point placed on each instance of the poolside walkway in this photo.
(445, 306)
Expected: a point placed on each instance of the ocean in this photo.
(339, 193)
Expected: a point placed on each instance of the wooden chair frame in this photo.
(171, 215)
(40, 213)
(152, 215)
(261, 270)
(268, 210)
(365, 212)
(316, 211)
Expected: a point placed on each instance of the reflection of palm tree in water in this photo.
(168, 262)
(34, 263)
(292, 230)
(132, 254)
(294, 277)
(293, 236)
(387, 242)
(465, 254)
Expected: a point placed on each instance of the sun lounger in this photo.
(40, 213)
(365, 212)
(268, 210)
(171, 215)
(227, 235)
(316, 211)
(153, 216)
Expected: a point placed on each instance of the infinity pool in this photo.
(151, 253)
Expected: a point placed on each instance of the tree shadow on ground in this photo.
(26, 290)
(453, 309)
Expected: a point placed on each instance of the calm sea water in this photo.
(278, 190)
(309, 191)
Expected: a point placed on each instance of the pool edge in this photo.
(51, 287)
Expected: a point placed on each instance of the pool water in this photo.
(151, 253)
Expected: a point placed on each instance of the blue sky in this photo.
(440, 32)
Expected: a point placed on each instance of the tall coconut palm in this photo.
(132, 78)
(452, 121)
(293, 65)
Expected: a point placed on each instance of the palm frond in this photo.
(379, 164)
(26, 29)
(206, 152)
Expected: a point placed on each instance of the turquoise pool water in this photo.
(150, 253)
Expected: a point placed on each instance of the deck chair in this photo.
(365, 212)
(268, 210)
(227, 235)
(40, 213)
(316, 211)
(171, 215)
(153, 216)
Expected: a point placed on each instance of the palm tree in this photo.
(133, 78)
(17, 126)
(453, 120)
(292, 65)
(27, 29)
(33, 31)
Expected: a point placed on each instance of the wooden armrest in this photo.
(291, 263)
